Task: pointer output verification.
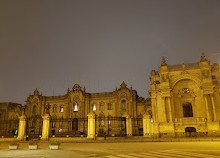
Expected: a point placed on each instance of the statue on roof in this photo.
(163, 62)
(203, 57)
(123, 85)
(36, 92)
(76, 87)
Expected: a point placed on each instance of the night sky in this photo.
(53, 44)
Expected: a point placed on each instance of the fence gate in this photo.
(68, 127)
(34, 127)
(137, 126)
(110, 126)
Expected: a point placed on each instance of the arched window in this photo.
(101, 106)
(75, 108)
(61, 108)
(34, 110)
(123, 104)
(54, 108)
(109, 106)
(187, 110)
(93, 107)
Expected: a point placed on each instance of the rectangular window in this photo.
(213, 77)
(109, 106)
(187, 110)
(101, 106)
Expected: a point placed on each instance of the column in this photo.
(22, 127)
(170, 110)
(207, 108)
(146, 125)
(164, 109)
(46, 127)
(91, 125)
(154, 109)
(128, 126)
(213, 108)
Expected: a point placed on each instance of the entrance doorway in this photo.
(75, 124)
(123, 126)
(190, 131)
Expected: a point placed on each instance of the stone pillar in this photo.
(207, 108)
(147, 125)
(164, 109)
(128, 126)
(170, 110)
(46, 127)
(213, 108)
(22, 127)
(91, 125)
(154, 109)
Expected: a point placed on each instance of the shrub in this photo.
(54, 142)
(33, 142)
(14, 143)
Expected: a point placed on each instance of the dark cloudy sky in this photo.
(53, 44)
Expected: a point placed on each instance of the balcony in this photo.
(190, 120)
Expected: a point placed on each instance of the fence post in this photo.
(91, 126)
(128, 126)
(46, 127)
(22, 127)
(146, 125)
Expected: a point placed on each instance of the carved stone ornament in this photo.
(184, 72)
(203, 57)
(123, 85)
(163, 62)
(185, 91)
(76, 87)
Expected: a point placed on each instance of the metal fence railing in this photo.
(9, 128)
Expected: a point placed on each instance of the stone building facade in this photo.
(185, 99)
(68, 113)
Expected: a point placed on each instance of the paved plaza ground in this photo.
(113, 150)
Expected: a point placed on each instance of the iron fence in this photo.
(68, 127)
(137, 126)
(110, 126)
(34, 127)
(9, 128)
